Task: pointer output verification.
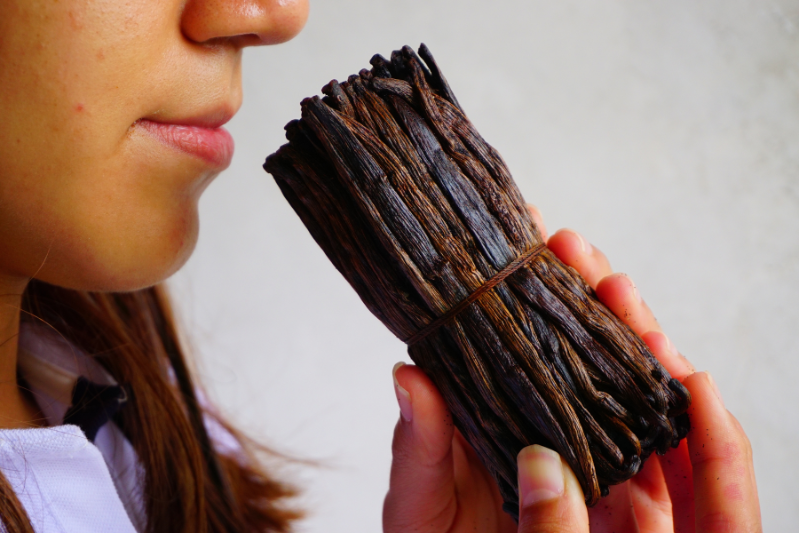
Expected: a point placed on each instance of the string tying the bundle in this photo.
(490, 284)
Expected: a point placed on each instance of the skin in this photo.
(87, 199)
(705, 485)
(90, 201)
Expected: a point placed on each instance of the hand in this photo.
(707, 484)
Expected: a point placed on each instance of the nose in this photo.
(243, 22)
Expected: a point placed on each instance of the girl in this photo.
(112, 128)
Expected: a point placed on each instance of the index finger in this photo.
(575, 251)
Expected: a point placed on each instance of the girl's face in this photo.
(109, 129)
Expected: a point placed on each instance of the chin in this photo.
(123, 262)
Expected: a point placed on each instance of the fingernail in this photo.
(403, 397)
(541, 477)
(586, 247)
(715, 388)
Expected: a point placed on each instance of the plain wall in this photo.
(664, 131)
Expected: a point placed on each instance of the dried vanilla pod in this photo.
(424, 220)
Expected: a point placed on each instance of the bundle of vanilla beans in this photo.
(423, 219)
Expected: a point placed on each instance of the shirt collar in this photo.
(50, 366)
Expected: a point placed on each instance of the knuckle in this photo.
(402, 514)
(547, 517)
(725, 455)
(720, 522)
(716, 522)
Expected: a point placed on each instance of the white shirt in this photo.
(66, 483)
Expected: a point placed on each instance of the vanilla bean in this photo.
(418, 212)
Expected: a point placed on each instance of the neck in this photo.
(17, 408)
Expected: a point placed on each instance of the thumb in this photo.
(550, 497)
(421, 493)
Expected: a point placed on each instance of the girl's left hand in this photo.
(439, 485)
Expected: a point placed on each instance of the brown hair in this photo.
(188, 485)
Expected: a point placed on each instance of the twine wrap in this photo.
(483, 289)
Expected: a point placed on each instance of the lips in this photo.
(204, 138)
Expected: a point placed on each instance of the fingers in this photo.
(575, 251)
(676, 364)
(614, 513)
(421, 493)
(550, 497)
(479, 500)
(616, 291)
(726, 499)
(651, 498)
(619, 294)
(678, 476)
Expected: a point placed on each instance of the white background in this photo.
(665, 131)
